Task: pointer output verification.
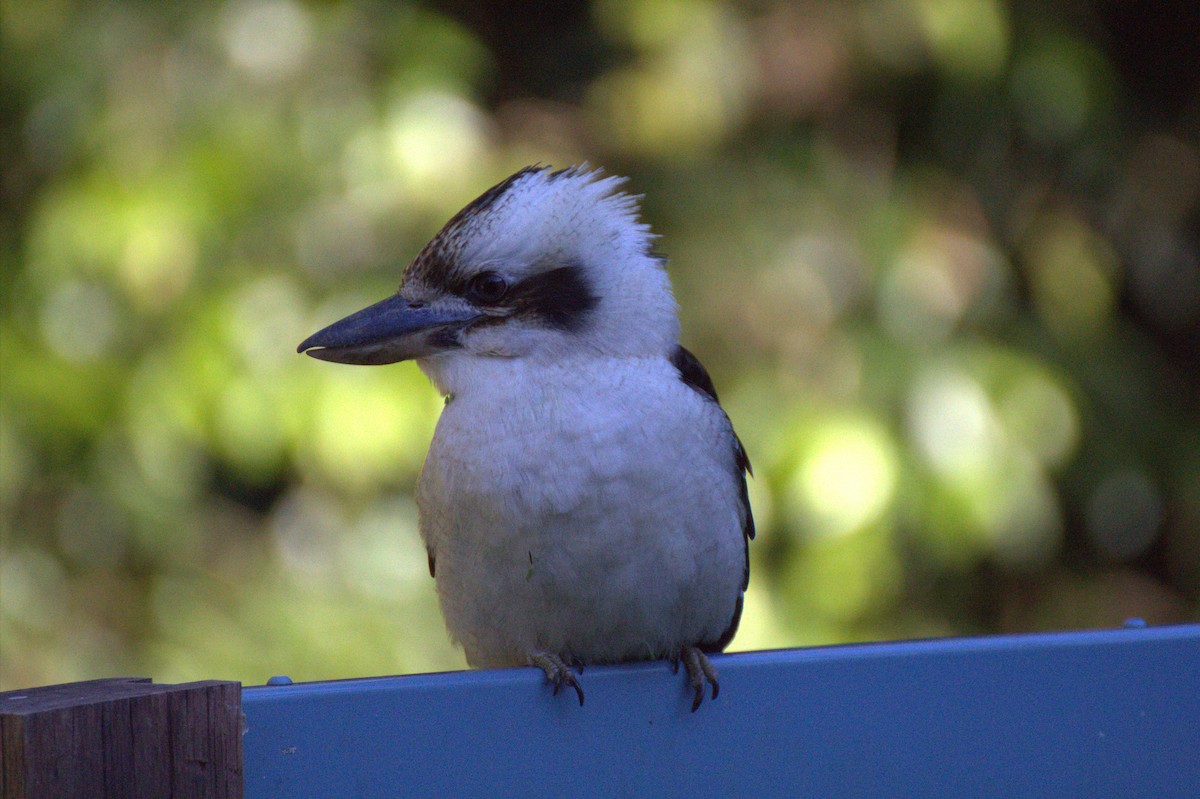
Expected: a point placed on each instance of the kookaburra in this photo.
(584, 497)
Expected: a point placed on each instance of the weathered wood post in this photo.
(122, 738)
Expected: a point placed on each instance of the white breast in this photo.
(587, 508)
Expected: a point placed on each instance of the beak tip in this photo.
(309, 343)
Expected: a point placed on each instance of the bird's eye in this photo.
(487, 287)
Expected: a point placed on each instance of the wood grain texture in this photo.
(122, 738)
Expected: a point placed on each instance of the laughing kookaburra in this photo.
(584, 498)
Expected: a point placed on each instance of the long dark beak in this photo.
(389, 331)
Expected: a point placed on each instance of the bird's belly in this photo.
(603, 559)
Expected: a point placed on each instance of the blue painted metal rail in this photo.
(1112, 713)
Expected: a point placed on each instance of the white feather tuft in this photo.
(541, 219)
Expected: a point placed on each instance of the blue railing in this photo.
(1112, 713)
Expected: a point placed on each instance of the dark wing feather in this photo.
(694, 375)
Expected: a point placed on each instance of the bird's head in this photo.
(544, 265)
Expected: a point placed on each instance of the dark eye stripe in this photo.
(561, 297)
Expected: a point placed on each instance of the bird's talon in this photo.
(557, 672)
(699, 671)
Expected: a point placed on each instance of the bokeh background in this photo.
(941, 257)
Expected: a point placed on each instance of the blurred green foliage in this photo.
(940, 256)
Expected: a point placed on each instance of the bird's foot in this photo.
(699, 671)
(558, 672)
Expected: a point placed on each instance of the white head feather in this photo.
(530, 224)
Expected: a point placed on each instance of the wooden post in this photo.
(122, 738)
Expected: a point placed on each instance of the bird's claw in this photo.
(699, 671)
(557, 672)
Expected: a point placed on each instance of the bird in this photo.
(584, 498)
